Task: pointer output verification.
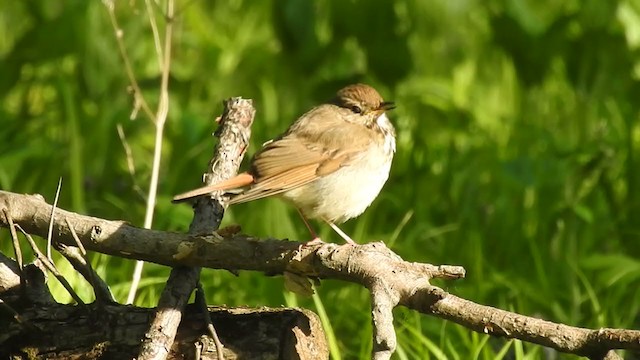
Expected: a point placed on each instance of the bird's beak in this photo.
(387, 105)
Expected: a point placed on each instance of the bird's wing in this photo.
(288, 163)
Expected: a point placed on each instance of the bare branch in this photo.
(77, 256)
(383, 300)
(51, 266)
(53, 213)
(14, 314)
(154, 30)
(202, 303)
(138, 98)
(501, 323)
(131, 166)
(359, 264)
(234, 133)
(83, 251)
(14, 239)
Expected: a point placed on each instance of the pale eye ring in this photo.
(356, 109)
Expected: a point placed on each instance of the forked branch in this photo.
(393, 280)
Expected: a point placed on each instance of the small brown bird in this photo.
(331, 163)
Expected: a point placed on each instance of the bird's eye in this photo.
(356, 109)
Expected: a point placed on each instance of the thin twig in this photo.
(154, 30)
(15, 242)
(51, 266)
(135, 281)
(138, 98)
(202, 303)
(53, 212)
(83, 251)
(198, 350)
(79, 261)
(160, 119)
(131, 165)
(16, 316)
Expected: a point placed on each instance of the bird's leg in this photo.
(315, 239)
(346, 237)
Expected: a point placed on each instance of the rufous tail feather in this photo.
(239, 181)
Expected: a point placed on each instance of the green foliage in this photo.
(517, 143)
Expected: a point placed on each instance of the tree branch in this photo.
(44, 329)
(234, 132)
(362, 264)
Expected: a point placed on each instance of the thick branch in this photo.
(384, 336)
(47, 330)
(360, 264)
(112, 332)
(233, 132)
(230, 252)
(489, 320)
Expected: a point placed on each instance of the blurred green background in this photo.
(518, 144)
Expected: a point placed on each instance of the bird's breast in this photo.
(347, 192)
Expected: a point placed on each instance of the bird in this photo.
(331, 163)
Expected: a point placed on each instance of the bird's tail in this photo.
(236, 182)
